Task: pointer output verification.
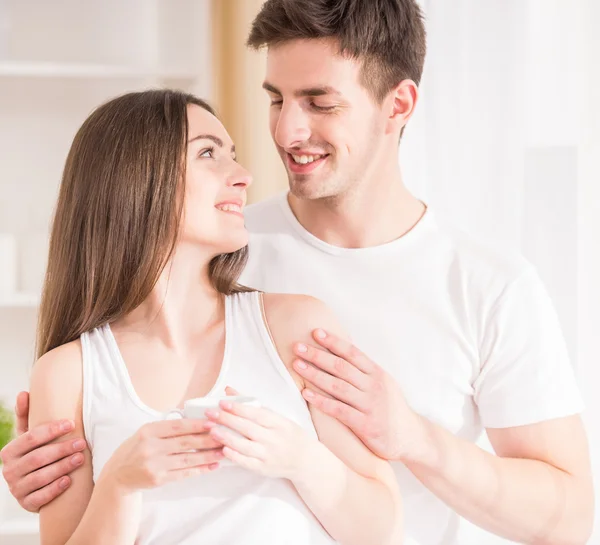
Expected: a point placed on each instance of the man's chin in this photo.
(305, 189)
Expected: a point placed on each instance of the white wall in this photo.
(589, 240)
(506, 144)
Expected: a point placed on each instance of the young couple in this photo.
(144, 307)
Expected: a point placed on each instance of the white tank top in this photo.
(231, 506)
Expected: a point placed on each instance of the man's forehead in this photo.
(306, 81)
(308, 65)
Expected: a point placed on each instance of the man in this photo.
(459, 339)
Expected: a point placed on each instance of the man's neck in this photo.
(365, 217)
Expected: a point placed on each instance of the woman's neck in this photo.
(183, 304)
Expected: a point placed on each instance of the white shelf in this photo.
(19, 300)
(22, 526)
(74, 70)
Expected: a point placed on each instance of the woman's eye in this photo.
(207, 153)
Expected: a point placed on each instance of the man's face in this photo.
(324, 123)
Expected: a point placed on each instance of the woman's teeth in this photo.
(305, 159)
(229, 207)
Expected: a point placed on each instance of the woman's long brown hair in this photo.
(118, 216)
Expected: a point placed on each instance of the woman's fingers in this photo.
(173, 428)
(186, 460)
(261, 415)
(243, 426)
(185, 443)
(252, 464)
(238, 443)
(188, 472)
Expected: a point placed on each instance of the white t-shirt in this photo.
(470, 335)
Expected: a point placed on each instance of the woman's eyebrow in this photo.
(211, 137)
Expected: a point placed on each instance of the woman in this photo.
(141, 311)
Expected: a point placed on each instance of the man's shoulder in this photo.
(476, 257)
(475, 270)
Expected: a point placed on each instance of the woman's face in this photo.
(216, 184)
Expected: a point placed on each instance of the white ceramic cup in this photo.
(197, 407)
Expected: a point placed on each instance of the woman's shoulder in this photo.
(292, 318)
(65, 358)
(304, 305)
(56, 380)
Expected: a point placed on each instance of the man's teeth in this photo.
(305, 159)
(229, 207)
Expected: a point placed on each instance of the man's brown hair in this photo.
(388, 36)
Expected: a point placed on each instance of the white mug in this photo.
(197, 407)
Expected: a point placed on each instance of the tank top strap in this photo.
(253, 335)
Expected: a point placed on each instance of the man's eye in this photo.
(276, 102)
(322, 108)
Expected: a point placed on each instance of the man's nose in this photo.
(292, 126)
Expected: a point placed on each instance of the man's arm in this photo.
(537, 490)
(35, 466)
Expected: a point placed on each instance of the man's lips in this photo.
(305, 168)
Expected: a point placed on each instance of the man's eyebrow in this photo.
(309, 92)
(271, 88)
(211, 137)
(316, 92)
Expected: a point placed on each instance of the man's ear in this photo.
(400, 104)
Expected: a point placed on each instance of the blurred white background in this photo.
(505, 142)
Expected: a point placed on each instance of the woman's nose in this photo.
(240, 178)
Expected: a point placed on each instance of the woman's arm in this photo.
(158, 453)
(352, 492)
(83, 514)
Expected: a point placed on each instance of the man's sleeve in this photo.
(526, 376)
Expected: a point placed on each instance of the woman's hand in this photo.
(162, 452)
(270, 444)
